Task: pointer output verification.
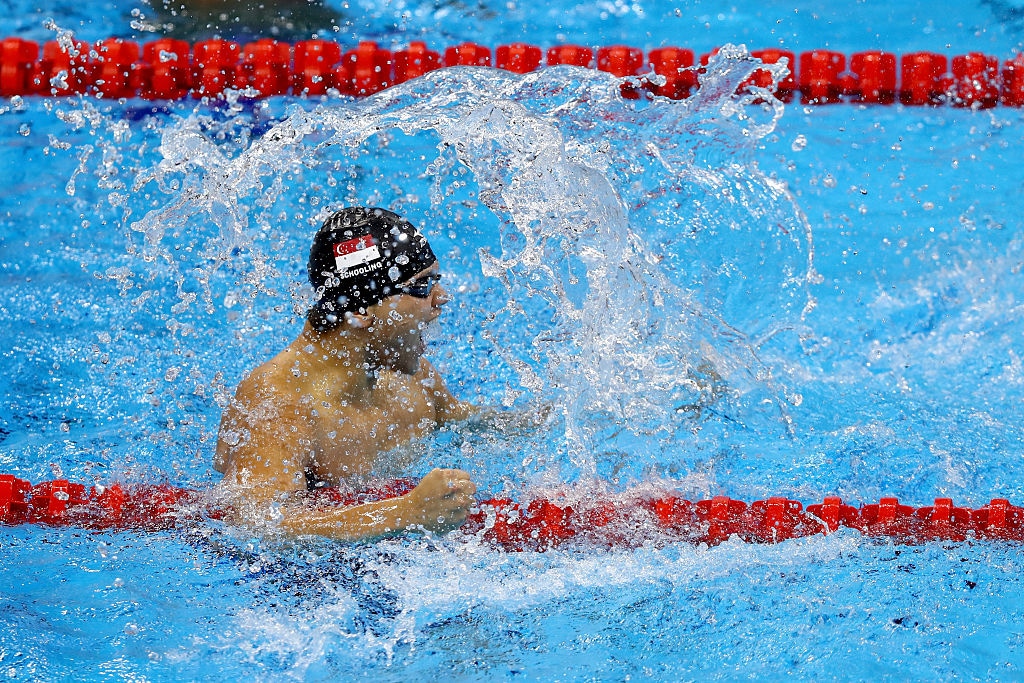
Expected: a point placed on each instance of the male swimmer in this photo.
(351, 387)
(238, 20)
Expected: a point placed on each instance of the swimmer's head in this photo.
(358, 258)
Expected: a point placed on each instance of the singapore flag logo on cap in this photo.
(355, 252)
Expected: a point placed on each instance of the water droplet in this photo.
(799, 143)
(24, 130)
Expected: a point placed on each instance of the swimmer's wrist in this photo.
(409, 514)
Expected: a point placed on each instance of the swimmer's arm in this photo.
(508, 422)
(518, 422)
(449, 408)
(292, 518)
(260, 447)
(439, 503)
(264, 479)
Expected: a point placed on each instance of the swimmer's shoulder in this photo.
(274, 376)
(265, 401)
(262, 396)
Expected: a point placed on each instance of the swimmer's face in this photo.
(400, 319)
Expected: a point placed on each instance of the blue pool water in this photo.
(852, 274)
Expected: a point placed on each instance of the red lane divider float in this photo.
(64, 503)
(626, 520)
(169, 69)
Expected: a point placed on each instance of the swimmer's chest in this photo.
(351, 438)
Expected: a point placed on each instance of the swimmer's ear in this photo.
(359, 321)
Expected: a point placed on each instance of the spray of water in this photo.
(643, 258)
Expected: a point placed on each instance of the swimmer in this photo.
(238, 20)
(351, 388)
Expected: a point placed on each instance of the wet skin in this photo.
(329, 406)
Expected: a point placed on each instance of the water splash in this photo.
(638, 245)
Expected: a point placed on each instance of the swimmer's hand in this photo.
(441, 501)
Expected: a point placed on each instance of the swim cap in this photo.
(358, 256)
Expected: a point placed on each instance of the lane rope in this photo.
(171, 69)
(630, 519)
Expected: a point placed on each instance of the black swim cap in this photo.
(357, 258)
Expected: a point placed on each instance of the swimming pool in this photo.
(150, 259)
